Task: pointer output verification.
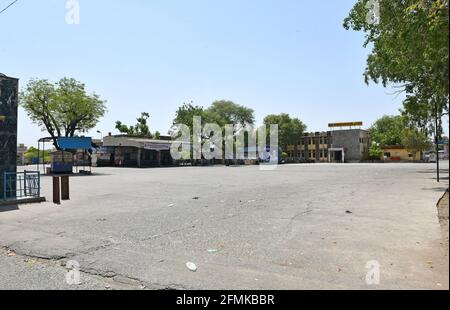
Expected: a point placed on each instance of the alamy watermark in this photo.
(230, 142)
(73, 12)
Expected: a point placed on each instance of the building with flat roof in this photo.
(130, 151)
(21, 150)
(399, 153)
(341, 145)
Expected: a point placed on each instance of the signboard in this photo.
(157, 146)
(348, 124)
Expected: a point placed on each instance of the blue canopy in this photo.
(75, 143)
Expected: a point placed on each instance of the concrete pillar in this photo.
(65, 192)
(158, 157)
(9, 88)
(139, 155)
(56, 191)
(317, 140)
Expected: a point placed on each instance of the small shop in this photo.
(73, 154)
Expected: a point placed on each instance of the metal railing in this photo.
(19, 185)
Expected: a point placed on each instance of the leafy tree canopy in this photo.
(32, 152)
(220, 112)
(186, 113)
(290, 130)
(63, 108)
(415, 141)
(375, 151)
(395, 130)
(225, 112)
(141, 129)
(388, 130)
(410, 50)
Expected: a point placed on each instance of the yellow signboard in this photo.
(2, 117)
(348, 124)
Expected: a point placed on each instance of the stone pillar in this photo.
(158, 157)
(139, 155)
(317, 141)
(9, 88)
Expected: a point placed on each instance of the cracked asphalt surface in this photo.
(297, 227)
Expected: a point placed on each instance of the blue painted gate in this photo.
(19, 185)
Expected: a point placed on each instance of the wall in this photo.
(400, 154)
(8, 126)
(350, 140)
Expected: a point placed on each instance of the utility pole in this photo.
(436, 136)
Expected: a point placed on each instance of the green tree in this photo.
(63, 108)
(185, 116)
(141, 129)
(290, 130)
(221, 112)
(32, 152)
(375, 151)
(186, 113)
(409, 50)
(415, 141)
(388, 130)
(225, 112)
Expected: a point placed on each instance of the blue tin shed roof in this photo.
(75, 143)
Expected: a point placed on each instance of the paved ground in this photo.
(298, 227)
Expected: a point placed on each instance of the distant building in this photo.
(342, 145)
(399, 153)
(21, 150)
(129, 151)
(312, 147)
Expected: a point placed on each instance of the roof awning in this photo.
(75, 143)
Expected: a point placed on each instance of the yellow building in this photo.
(399, 153)
(348, 145)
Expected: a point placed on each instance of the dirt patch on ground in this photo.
(443, 219)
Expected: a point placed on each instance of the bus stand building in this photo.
(129, 151)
